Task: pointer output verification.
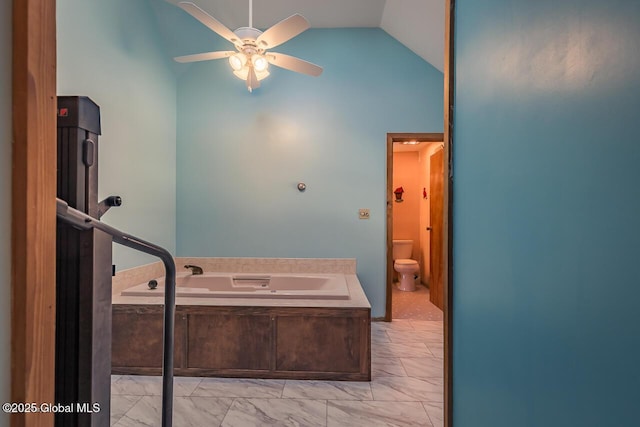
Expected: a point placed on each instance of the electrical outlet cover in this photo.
(363, 213)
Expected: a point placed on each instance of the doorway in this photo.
(33, 206)
(417, 213)
(414, 220)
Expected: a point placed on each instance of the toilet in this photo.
(406, 267)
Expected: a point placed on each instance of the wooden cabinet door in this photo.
(319, 344)
(137, 338)
(229, 341)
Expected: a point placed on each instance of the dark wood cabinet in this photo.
(247, 342)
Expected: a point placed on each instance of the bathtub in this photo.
(238, 285)
(256, 323)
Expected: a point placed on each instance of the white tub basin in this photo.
(230, 285)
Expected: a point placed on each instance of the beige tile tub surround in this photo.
(271, 265)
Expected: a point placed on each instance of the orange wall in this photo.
(424, 216)
(406, 218)
(411, 217)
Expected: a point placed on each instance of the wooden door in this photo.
(436, 181)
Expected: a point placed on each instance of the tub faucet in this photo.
(194, 269)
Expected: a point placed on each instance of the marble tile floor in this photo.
(406, 389)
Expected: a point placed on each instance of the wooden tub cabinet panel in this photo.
(229, 341)
(246, 342)
(136, 345)
(336, 344)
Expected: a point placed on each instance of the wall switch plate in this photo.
(363, 213)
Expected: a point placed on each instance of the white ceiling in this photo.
(418, 24)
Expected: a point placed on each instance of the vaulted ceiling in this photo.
(418, 24)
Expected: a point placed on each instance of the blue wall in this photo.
(241, 155)
(546, 234)
(111, 51)
(5, 212)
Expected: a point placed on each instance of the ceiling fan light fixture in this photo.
(244, 72)
(262, 74)
(237, 61)
(259, 62)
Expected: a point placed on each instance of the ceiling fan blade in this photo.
(282, 31)
(204, 56)
(252, 80)
(208, 20)
(294, 64)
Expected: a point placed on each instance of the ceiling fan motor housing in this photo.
(247, 34)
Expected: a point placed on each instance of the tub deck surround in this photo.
(125, 279)
(357, 299)
(290, 338)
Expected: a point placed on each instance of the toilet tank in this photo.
(402, 249)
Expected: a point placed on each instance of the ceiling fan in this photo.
(251, 61)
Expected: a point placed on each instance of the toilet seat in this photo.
(406, 262)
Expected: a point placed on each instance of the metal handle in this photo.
(85, 222)
(107, 204)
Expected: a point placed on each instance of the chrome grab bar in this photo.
(84, 222)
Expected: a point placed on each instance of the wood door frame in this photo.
(447, 202)
(33, 207)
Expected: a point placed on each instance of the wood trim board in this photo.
(447, 270)
(33, 243)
